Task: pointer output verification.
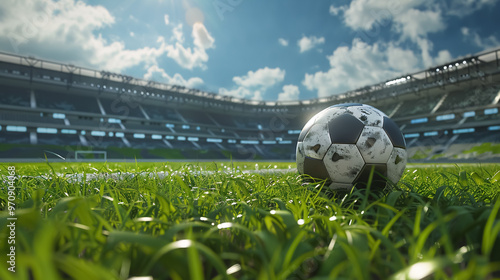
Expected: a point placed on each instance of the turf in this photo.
(438, 222)
(485, 148)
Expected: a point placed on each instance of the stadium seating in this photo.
(419, 106)
(161, 113)
(14, 96)
(121, 107)
(470, 97)
(66, 102)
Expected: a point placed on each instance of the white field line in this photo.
(118, 176)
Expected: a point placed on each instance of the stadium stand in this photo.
(15, 96)
(442, 111)
(65, 102)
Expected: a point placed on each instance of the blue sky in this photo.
(253, 49)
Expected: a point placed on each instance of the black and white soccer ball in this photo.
(344, 142)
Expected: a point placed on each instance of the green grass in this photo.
(484, 148)
(438, 222)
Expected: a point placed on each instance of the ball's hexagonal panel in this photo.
(377, 110)
(368, 115)
(379, 178)
(317, 141)
(343, 162)
(315, 168)
(396, 165)
(345, 129)
(329, 113)
(394, 133)
(300, 157)
(374, 145)
(306, 128)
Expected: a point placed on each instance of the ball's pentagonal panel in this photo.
(345, 129)
(343, 162)
(300, 157)
(378, 179)
(315, 168)
(317, 141)
(396, 164)
(368, 115)
(394, 133)
(374, 145)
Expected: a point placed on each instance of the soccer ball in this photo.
(344, 142)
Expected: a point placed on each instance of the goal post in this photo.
(96, 155)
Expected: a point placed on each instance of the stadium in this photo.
(287, 140)
(59, 110)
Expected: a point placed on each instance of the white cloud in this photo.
(202, 39)
(191, 58)
(186, 57)
(166, 19)
(412, 20)
(254, 84)
(335, 11)
(360, 65)
(290, 93)
(308, 43)
(443, 56)
(242, 92)
(463, 8)
(283, 42)
(473, 37)
(63, 29)
(158, 74)
(114, 57)
(363, 63)
(66, 31)
(365, 14)
(264, 77)
(414, 24)
(177, 34)
(401, 60)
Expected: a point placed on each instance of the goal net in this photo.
(91, 155)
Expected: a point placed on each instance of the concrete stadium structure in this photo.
(49, 108)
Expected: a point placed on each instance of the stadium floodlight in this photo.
(396, 81)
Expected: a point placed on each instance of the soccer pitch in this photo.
(241, 220)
